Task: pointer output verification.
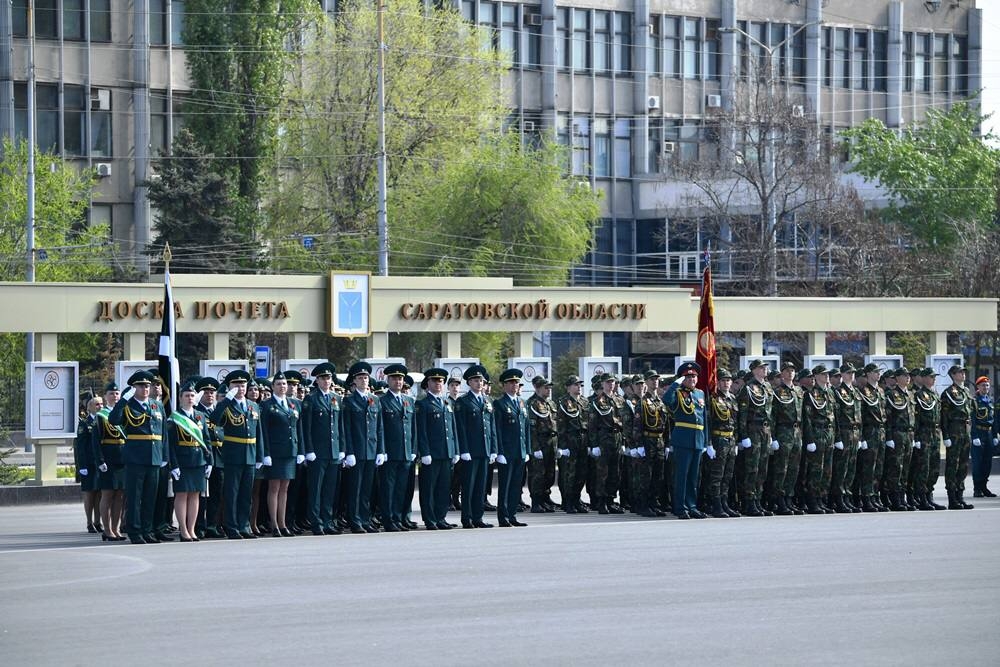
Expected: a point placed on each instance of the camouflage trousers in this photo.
(845, 463)
(573, 470)
(870, 461)
(751, 464)
(897, 460)
(816, 464)
(606, 468)
(542, 472)
(932, 451)
(785, 461)
(718, 472)
(916, 474)
(647, 469)
(956, 458)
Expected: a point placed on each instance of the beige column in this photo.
(939, 342)
(46, 451)
(524, 344)
(688, 343)
(594, 346)
(451, 345)
(218, 346)
(135, 347)
(298, 345)
(377, 345)
(754, 343)
(47, 347)
(816, 343)
(877, 342)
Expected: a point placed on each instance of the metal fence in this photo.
(12, 404)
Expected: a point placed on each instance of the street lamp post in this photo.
(768, 186)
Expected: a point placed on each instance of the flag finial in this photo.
(167, 255)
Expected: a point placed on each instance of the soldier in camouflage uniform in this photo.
(848, 439)
(795, 474)
(956, 416)
(721, 450)
(542, 429)
(818, 423)
(786, 412)
(932, 446)
(647, 454)
(630, 395)
(899, 439)
(926, 436)
(605, 431)
(754, 431)
(872, 446)
(571, 425)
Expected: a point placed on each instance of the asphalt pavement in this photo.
(914, 588)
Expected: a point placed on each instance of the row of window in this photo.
(599, 146)
(67, 19)
(76, 125)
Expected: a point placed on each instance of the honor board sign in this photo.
(532, 367)
(124, 370)
(53, 397)
(591, 366)
(831, 361)
(773, 361)
(885, 362)
(218, 369)
(940, 363)
(456, 367)
(304, 367)
(379, 366)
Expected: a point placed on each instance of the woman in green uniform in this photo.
(282, 439)
(190, 459)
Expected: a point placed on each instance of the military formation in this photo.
(287, 455)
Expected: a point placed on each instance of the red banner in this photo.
(705, 355)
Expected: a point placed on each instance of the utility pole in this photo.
(383, 223)
(30, 184)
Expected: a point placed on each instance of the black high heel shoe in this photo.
(91, 529)
(108, 538)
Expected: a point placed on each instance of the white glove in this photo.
(775, 445)
(380, 459)
(947, 442)
(863, 444)
(103, 467)
(454, 459)
(493, 459)
(425, 460)
(257, 466)
(642, 452)
(996, 441)
(839, 444)
(559, 453)
(538, 455)
(811, 447)
(128, 393)
(891, 444)
(163, 464)
(176, 474)
(350, 461)
(633, 453)
(466, 457)
(208, 471)
(502, 460)
(267, 461)
(666, 453)
(83, 472)
(230, 394)
(564, 452)
(341, 456)
(975, 441)
(300, 459)
(710, 450)
(413, 457)
(311, 456)
(526, 457)
(916, 444)
(596, 452)
(745, 443)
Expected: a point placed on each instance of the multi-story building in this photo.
(623, 83)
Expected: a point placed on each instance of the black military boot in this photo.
(781, 507)
(824, 505)
(579, 505)
(961, 500)
(977, 492)
(600, 504)
(569, 505)
(793, 507)
(763, 510)
(925, 502)
(867, 505)
(986, 491)
(897, 502)
(536, 507)
(729, 510)
(812, 507)
(750, 508)
(953, 503)
(840, 506)
(930, 501)
(717, 511)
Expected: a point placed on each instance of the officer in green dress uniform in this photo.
(281, 439)
(438, 443)
(721, 450)
(510, 415)
(957, 405)
(364, 443)
(238, 419)
(847, 408)
(754, 432)
(985, 432)
(141, 421)
(86, 469)
(210, 510)
(323, 435)
(687, 405)
(190, 458)
(542, 466)
(400, 449)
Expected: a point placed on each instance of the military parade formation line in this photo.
(343, 456)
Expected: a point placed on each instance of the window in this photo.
(880, 47)
(828, 57)
(692, 50)
(159, 123)
(623, 43)
(602, 148)
(960, 57)
(623, 148)
(602, 42)
(941, 53)
(509, 33)
(73, 19)
(713, 50)
(859, 61)
(671, 46)
(581, 37)
(921, 63)
(686, 136)
(74, 117)
(100, 20)
(100, 131)
(46, 19)
(46, 115)
(486, 21)
(100, 214)
(654, 144)
(564, 46)
(157, 22)
(534, 36)
(177, 22)
(469, 11)
(842, 58)
(581, 146)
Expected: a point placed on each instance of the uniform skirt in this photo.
(91, 481)
(192, 480)
(113, 479)
(280, 468)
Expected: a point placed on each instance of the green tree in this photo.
(442, 93)
(941, 173)
(237, 56)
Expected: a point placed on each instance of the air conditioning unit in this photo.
(653, 103)
(713, 101)
(669, 147)
(103, 169)
(528, 126)
(100, 99)
(798, 111)
(533, 19)
(583, 185)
